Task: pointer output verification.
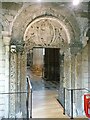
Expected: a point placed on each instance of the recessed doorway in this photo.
(43, 68)
(52, 64)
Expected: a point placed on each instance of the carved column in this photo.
(13, 78)
(74, 48)
(2, 77)
(6, 40)
(89, 64)
(72, 71)
(61, 94)
(18, 83)
(67, 69)
(79, 84)
(88, 35)
(89, 45)
(23, 82)
(67, 79)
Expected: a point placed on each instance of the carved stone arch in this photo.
(46, 31)
(27, 15)
(86, 31)
(2, 28)
(5, 23)
(31, 12)
(86, 36)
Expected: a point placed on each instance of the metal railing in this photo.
(72, 98)
(28, 98)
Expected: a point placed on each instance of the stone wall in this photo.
(17, 102)
(13, 16)
(2, 78)
(76, 78)
(85, 71)
(81, 80)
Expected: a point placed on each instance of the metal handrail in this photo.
(28, 80)
(77, 89)
(72, 89)
(12, 92)
(29, 98)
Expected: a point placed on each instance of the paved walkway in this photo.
(45, 105)
(45, 94)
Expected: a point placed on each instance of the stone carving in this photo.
(45, 32)
(13, 74)
(17, 84)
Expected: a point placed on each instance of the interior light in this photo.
(43, 51)
(39, 0)
(76, 2)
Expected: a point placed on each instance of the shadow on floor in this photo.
(38, 83)
(44, 85)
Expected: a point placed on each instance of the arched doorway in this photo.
(48, 29)
(49, 33)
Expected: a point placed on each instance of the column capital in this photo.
(75, 47)
(6, 41)
(6, 34)
(6, 37)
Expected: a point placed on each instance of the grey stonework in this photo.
(13, 78)
(21, 21)
(2, 77)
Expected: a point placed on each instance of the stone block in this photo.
(2, 69)
(2, 83)
(2, 89)
(2, 113)
(2, 107)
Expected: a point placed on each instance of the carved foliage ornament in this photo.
(45, 32)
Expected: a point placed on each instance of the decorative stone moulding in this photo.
(46, 31)
(17, 47)
(20, 48)
(84, 40)
(6, 34)
(6, 37)
(13, 48)
(61, 52)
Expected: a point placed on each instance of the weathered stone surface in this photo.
(13, 78)
(2, 78)
(28, 24)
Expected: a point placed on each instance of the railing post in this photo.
(64, 101)
(31, 105)
(27, 99)
(71, 104)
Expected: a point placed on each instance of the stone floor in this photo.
(45, 105)
(45, 94)
(44, 85)
(39, 83)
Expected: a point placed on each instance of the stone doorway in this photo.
(48, 28)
